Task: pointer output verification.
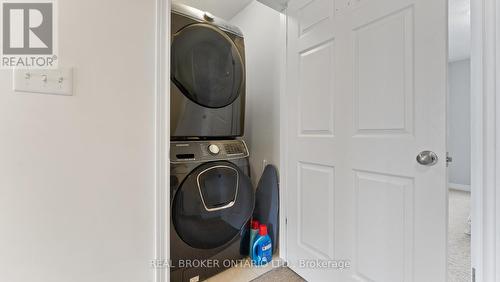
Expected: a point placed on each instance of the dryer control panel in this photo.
(205, 151)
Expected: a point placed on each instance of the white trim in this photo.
(495, 189)
(162, 142)
(459, 187)
(283, 140)
(476, 137)
(485, 139)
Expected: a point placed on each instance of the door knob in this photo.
(428, 158)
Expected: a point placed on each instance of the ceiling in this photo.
(459, 29)
(225, 9)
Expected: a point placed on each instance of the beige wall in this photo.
(261, 28)
(77, 173)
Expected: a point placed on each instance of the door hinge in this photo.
(473, 274)
(449, 159)
(286, 220)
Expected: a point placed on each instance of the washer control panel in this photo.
(204, 151)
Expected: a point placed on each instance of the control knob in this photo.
(213, 149)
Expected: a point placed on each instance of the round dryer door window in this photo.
(206, 66)
(212, 205)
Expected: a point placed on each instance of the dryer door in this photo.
(206, 65)
(212, 205)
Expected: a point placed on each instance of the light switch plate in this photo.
(44, 81)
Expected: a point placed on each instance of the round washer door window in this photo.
(212, 205)
(206, 66)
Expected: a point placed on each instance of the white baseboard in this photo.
(459, 187)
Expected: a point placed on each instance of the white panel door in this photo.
(366, 93)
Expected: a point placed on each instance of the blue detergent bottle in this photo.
(262, 249)
(254, 233)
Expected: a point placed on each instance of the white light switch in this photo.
(57, 81)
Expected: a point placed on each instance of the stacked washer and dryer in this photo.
(212, 198)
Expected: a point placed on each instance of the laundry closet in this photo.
(158, 156)
(226, 67)
(347, 99)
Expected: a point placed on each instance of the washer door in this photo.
(212, 205)
(206, 65)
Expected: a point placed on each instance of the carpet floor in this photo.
(459, 263)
